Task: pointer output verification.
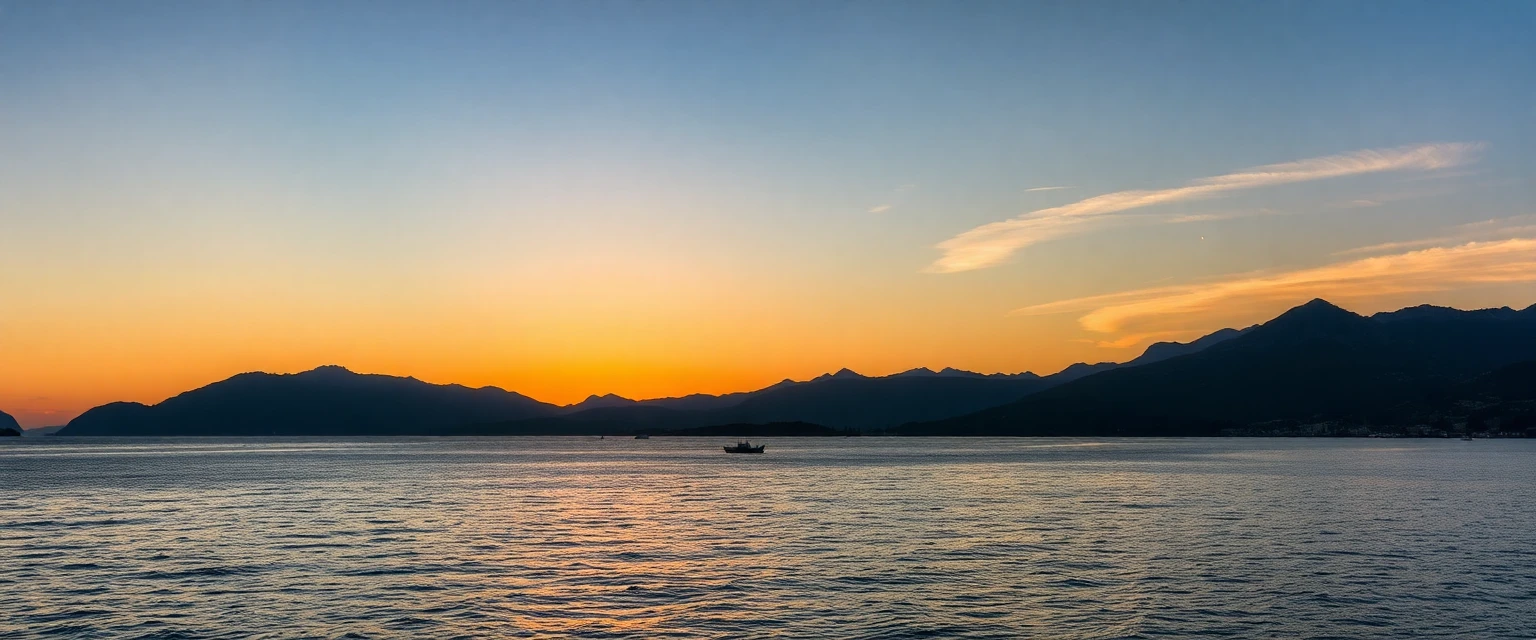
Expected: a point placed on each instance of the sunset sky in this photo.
(660, 198)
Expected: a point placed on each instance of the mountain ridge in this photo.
(328, 400)
(1423, 346)
(1313, 364)
(841, 400)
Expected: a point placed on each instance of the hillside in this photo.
(8, 425)
(1316, 363)
(324, 401)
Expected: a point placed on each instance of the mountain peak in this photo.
(1159, 351)
(1082, 369)
(1437, 313)
(920, 372)
(330, 370)
(7, 422)
(329, 400)
(1321, 305)
(606, 400)
(1317, 309)
(1315, 320)
(841, 374)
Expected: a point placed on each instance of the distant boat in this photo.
(643, 436)
(745, 447)
(1467, 437)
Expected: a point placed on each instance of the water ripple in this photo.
(667, 538)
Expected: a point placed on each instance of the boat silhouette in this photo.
(745, 447)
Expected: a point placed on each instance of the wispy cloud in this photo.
(1495, 229)
(1203, 217)
(1213, 217)
(1399, 195)
(1045, 188)
(991, 244)
(1389, 247)
(1426, 270)
(897, 195)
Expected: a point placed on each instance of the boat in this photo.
(643, 436)
(1467, 437)
(745, 447)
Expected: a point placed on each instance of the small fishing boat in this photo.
(643, 436)
(745, 447)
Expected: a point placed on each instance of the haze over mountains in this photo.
(1314, 364)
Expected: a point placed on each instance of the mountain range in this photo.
(8, 425)
(1314, 369)
(1314, 365)
(331, 400)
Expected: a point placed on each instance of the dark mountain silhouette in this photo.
(1516, 382)
(325, 401)
(1498, 403)
(596, 401)
(1501, 402)
(850, 401)
(1082, 370)
(842, 400)
(1159, 351)
(601, 420)
(691, 402)
(1431, 313)
(948, 372)
(771, 429)
(1314, 363)
(334, 401)
(8, 425)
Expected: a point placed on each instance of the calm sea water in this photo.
(818, 538)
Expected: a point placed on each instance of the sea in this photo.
(816, 538)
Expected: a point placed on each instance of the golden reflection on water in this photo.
(819, 538)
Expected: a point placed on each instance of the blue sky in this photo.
(236, 171)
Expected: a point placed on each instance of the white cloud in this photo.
(880, 208)
(991, 244)
(1045, 188)
(1426, 270)
(1213, 217)
(1495, 229)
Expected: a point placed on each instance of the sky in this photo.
(660, 198)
